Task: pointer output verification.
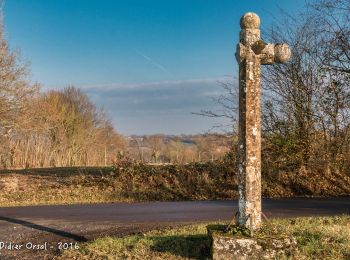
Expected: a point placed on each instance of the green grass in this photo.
(318, 238)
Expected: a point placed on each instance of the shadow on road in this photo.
(46, 229)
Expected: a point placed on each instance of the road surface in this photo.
(79, 223)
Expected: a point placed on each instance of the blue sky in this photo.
(150, 64)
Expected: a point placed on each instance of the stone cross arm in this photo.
(268, 53)
(250, 43)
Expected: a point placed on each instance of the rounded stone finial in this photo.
(282, 53)
(250, 21)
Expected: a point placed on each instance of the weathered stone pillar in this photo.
(251, 52)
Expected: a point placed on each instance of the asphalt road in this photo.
(183, 211)
(79, 223)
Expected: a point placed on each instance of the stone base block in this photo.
(228, 246)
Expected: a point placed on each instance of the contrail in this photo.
(159, 66)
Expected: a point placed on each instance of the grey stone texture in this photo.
(251, 53)
(226, 247)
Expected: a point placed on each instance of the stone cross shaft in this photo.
(251, 52)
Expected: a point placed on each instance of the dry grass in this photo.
(138, 182)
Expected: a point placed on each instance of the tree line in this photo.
(49, 129)
(62, 128)
(306, 118)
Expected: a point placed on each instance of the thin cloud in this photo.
(150, 60)
(164, 106)
(190, 95)
(160, 84)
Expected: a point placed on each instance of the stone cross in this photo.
(251, 52)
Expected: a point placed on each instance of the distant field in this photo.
(140, 182)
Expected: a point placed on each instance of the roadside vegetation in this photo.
(317, 238)
(131, 181)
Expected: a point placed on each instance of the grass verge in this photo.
(318, 238)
